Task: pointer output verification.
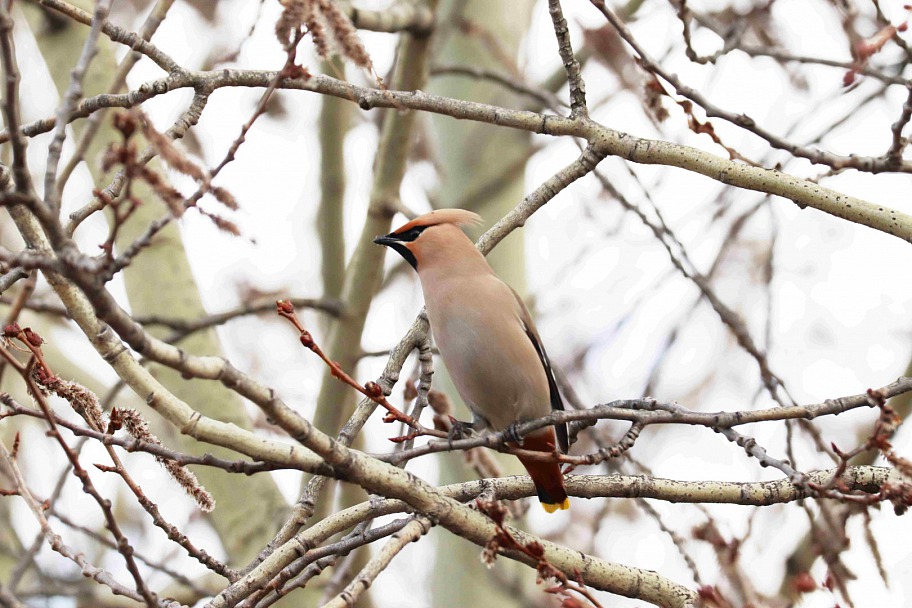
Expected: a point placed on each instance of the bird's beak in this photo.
(399, 246)
(387, 240)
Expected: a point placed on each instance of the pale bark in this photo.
(335, 117)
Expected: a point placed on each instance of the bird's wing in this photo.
(557, 403)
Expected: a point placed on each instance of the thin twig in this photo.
(862, 163)
(148, 29)
(298, 573)
(115, 33)
(52, 190)
(132, 444)
(899, 142)
(305, 506)
(412, 531)
(10, 101)
(123, 544)
(12, 277)
(578, 107)
(371, 389)
(54, 540)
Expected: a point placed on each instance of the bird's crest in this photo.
(459, 217)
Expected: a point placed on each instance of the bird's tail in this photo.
(547, 476)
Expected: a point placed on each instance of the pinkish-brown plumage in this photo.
(486, 337)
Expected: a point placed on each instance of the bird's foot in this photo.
(459, 430)
(511, 434)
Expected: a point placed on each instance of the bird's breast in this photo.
(491, 360)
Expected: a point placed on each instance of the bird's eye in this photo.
(412, 234)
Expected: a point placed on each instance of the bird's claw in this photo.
(511, 434)
(459, 429)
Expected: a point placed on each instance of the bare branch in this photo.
(578, 107)
(54, 540)
(604, 140)
(862, 163)
(900, 143)
(115, 33)
(148, 29)
(412, 531)
(10, 278)
(584, 165)
(10, 101)
(68, 104)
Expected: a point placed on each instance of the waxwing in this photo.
(486, 338)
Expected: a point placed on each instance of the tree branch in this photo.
(605, 141)
(578, 107)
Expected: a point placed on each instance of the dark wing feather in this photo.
(557, 403)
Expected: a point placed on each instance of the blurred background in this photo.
(828, 301)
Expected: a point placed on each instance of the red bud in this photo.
(373, 390)
(306, 339)
(33, 338)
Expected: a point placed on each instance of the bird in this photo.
(487, 340)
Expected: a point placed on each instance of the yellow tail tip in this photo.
(551, 507)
